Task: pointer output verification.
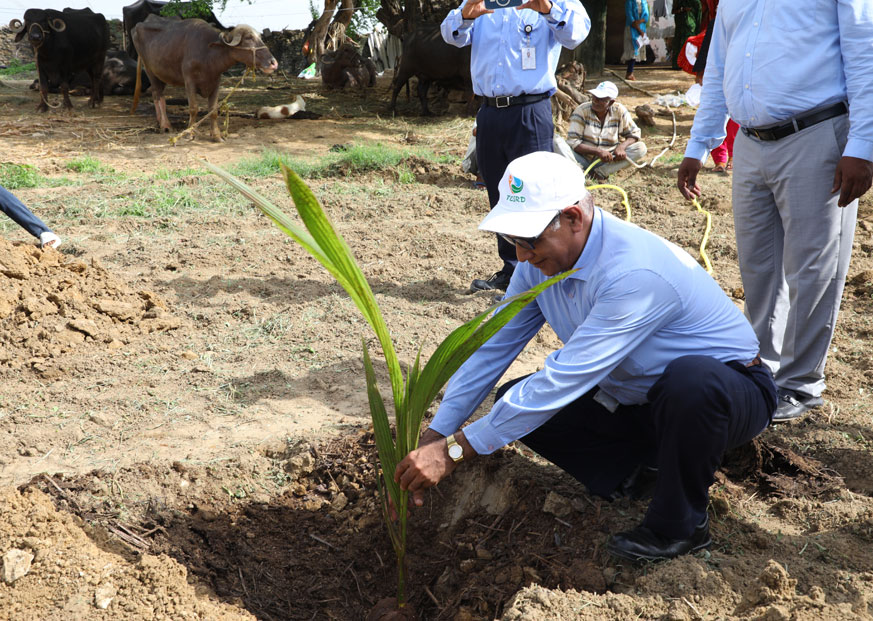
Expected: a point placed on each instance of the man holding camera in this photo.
(513, 62)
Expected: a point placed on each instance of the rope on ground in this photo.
(624, 198)
(705, 239)
(667, 148)
(221, 105)
(631, 84)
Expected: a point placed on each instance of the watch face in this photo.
(456, 451)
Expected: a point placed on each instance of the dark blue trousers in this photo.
(503, 134)
(15, 209)
(698, 409)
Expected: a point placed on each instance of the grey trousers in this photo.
(636, 152)
(794, 245)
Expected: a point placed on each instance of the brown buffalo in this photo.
(193, 54)
(346, 67)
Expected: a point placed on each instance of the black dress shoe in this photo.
(794, 405)
(643, 544)
(499, 280)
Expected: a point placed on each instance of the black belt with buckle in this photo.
(797, 123)
(506, 101)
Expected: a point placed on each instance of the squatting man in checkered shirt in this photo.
(657, 377)
(603, 129)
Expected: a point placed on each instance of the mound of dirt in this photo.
(50, 305)
(50, 565)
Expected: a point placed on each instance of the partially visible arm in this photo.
(708, 130)
(568, 21)
(469, 386)
(590, 151)
(455, 29)
(20, 214)
(855, 170)
(628, 310)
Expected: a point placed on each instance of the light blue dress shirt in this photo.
(772, 60)
(499, 37)
(636, 303)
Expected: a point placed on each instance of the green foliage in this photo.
(364, 18)
(87, 164)
(344, 161)
(191, 8)
(16, 67)
(412, 395)
(14, 176)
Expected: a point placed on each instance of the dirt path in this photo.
(185, 384)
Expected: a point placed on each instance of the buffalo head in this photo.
(38, 24)
(247, 47)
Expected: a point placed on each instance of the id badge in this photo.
(528, 57)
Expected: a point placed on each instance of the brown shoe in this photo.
(630, 77)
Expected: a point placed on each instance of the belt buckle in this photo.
(504, 99)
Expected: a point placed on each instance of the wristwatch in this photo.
(456, 451)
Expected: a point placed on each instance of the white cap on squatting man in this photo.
(533, 190)
(605, 89)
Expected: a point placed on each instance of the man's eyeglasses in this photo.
(528, 243)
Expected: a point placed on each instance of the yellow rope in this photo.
(593, 164)
(624, 198)
(626, 203)
(703, 255)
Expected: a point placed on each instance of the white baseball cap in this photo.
(605, 89)
(533, 190)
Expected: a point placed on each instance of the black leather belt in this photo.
(797, 123)
(506, 101)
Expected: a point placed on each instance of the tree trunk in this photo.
(319, 31)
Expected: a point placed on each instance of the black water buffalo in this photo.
(119, 77)
(135, 13)
(193, 54)
(346, 67)
(426, 56)
(65, 42)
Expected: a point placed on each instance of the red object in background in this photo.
(689, 52)
(725, 150)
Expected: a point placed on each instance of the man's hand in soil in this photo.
(852, 178)
(428, 464)
(474, 8)
(687, 178)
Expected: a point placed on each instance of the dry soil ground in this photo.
(183, 421)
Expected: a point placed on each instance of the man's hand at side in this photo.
(687, 178)
(852, 178)
(474, 8)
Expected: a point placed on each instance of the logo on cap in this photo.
(515, 184)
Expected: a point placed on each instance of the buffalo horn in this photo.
(57, 24)
(236, 38)
(16, 26)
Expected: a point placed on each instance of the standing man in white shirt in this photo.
(797, 75)
(658, 375)
(513, 61)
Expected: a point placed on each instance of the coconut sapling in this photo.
(412, 395)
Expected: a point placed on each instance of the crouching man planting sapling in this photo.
(659, 374)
